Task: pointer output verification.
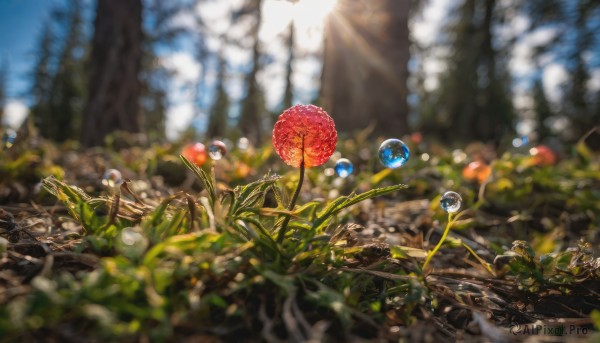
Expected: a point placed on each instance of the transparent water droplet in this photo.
(343, 167)
(112, 178)
(8, 140)
(243, 143)
(216, 150)
(393, 153)
(329, 171)
(131, 242)
(451, 202)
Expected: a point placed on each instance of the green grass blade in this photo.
(205, 180)
(344, 202)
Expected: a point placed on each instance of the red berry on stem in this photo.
(304, 132)
(304, 136)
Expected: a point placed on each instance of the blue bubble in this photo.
(9, 138)
(343, 167)
(451, 201)
(393, 153)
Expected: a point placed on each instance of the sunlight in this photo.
(308, 17)
(309, 14)
(276, 17)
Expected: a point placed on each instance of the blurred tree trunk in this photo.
(3, 80)
(58, 78)
(575, 48)
(288, 94)
(251, 116)
(217, 124)
(543, 110)
(160, 31)
(579, 108)
(474, 99)
(496, 115)
(68, 84)
(41, 77)
(365, 68)
(114, 86)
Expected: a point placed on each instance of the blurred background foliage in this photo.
(456, 71)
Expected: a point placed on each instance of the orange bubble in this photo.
(304, 132)
(477, 170)
(195, 153)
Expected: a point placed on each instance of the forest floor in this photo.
(179, 253)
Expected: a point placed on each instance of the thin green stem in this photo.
(286, 221)
(292, 204)
(486, 265)
(437, 247)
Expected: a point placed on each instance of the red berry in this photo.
(195, 153)
(416, 137)
(304, 130)
(477, 170)
(543, 155)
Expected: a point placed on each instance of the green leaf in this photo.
(398, 251)
(206, 181)
(346, 201)
(167, 228)
(285, 282)
(251, 195)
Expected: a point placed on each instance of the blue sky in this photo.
(20, 25)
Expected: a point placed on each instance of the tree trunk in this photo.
(217, 123)
(495, 117)
(3, 79)
(365, 67)
(114, 87)
(288, 93)
(251, 117)
(474, 101)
